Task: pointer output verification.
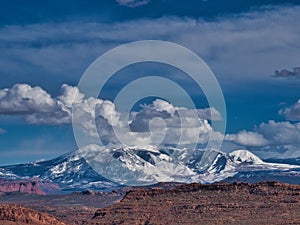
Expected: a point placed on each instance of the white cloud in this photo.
(280, 133)
(159, 122)
(62, 112)
(292, 113)
(268, 134)
(161, 105)
(85, 114)
(209, 114)
(247, 138)
(37, 105)
(271, 139)
(108, 111)
(96, 117)
(36, 108)
(70, 95)
(156, 123)
(179, 123)
(23, 99)
(173, 124)
(133, 3)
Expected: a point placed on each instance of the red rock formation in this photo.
(237, 203)
(28, 186)
(18, 215)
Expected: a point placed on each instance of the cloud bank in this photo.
(170, 124)
(271, 139)
(176, 124)
(231, 46)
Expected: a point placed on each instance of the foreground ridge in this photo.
(221, 203)
(11, 214)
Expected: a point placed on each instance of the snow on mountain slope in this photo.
(4, 174)
(133, 166)
(69, 171)
(251, 162)
(244, 156)
(81, 169)
(241, 162)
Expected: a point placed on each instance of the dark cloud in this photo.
(288, 74)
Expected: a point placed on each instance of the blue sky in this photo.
(48, 44)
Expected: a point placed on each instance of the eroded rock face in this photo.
(18, 215)
(237, 203)
(28, 186)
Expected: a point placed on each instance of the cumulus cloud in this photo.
(280, 133)
(23, 99)
(247, 138)
(62, 112)
(37, 106)
(291, 113)
(133, 3)
(158, 122)
(96, 117)
(267, 134)
(181, 124)
(209, 114)
(86, 111)
(276, 139)
(70, 95)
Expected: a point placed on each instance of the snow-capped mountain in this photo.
(244, 156)
(81, 169)
(69, 171)
(242, 165)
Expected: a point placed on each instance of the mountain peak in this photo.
(245, 156)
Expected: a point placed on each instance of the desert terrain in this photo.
(221, 203)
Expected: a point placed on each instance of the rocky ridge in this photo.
(236, 203)
(11, 214)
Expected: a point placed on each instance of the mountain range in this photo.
(81, 169)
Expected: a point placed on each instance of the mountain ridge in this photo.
(79, 170)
